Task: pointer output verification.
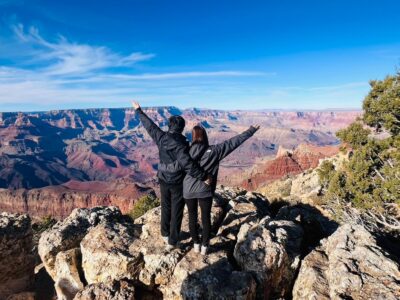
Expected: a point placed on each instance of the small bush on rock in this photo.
(142, 205)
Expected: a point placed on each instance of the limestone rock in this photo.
(69, 274)
(158, 263)
(348, 265)
(316, 226)
(16, 260)
(105, 253)
(305, 187)
(68, 233)
(226, 193)
(276, 190)
(271, 251)
(242, 211)
(212, 277)
(115, 290)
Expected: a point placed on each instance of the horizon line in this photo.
(193, 108)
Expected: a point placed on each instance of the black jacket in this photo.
(209, 159)
(173, 149)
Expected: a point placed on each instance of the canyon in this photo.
(54, 161)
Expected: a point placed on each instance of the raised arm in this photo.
(152, 129)
(226, 148)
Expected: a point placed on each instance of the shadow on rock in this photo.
(316, 226)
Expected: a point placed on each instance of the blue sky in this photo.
(215, 54)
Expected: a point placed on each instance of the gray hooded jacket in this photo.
(209, 159)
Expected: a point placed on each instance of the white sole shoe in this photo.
(169, 247)
(196, 248)
(204, 250)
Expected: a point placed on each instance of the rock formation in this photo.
(102, 248)
(288, 162)
(16, 260)
(93, 157)
(105, 253)
(115, 290)
(304, 187)
(68, 273)
(68, 234)
(73, 194)
(348, 265)
(271, 250)
(257, 252)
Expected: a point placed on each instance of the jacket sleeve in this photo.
(191, 167)
(224, 149)
(152, 129)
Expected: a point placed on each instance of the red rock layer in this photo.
(59, 201)
(287, 162)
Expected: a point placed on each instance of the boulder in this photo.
(212, 277)
(158, 264)
(241, 211)
(68, 233)
(115, 290)
(105, 253)
(16, 260)
(348, 265)
(316, 226)
(271, 251)
(69, 274)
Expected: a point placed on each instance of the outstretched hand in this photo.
(256, 126)
(135, 105)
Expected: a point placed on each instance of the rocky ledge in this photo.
(16, 261)
(257, 252)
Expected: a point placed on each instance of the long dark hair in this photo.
(199, 135)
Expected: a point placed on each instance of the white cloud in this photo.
(67, 58)
(60, 73)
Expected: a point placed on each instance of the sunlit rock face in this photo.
(16, 261)
(257, 252)
(348, 265)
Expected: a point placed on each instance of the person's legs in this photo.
(165, 209)
(192, 209)
(177, 206)
(205, 207)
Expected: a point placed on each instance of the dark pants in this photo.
(205, 207)
(172, 205)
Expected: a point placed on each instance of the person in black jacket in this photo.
(195, 192)
(175, 163)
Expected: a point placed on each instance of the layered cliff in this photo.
(51, 148)
(59, 201)
(288, 162)
(41, 153)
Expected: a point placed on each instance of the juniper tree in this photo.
(370, 180)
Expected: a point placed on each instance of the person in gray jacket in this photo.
(195, 191)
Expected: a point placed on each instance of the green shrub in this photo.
(45, 223)
(142, 205)
(325, 172)
(370, 180)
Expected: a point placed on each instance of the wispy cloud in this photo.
(66, 58)
(61, 72)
